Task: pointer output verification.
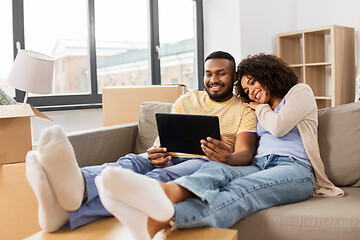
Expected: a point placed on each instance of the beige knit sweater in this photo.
(300, 110)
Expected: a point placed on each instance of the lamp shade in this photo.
(32, 72)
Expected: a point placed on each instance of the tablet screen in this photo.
(183, 132)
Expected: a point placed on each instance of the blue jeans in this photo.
(227, 194)
(92, 208)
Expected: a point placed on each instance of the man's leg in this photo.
(179, 167)
(66, 179)
(51, 215)
(92, 207)
(57, 157)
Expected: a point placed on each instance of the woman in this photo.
(218, 195)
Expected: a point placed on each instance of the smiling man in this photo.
(67, 195)
(219, 78)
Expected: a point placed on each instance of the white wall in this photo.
(245, 27)
(261, 21)
(331, 12)
(221, 26)
(241, 27)
(70, 121)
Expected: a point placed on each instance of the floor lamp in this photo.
(32, 72)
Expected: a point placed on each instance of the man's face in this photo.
(219, 79)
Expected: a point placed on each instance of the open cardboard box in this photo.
(15, 131)
(122, 104)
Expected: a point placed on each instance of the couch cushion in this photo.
(339, 140)
(147, 129)
(315, 218)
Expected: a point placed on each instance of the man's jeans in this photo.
(92, 208)
(228, 194)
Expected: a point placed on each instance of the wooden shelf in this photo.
(318, 64)
(323, 58)
(323, 98)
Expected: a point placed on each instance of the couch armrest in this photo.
(101, 145)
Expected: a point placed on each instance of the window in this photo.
(177, 42)
(111, 43)
(60, 32)
(6, 48)
(122, 49)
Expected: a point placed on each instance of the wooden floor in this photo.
(111, 229)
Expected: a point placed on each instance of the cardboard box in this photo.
(122, 104)
(18, 205)
(15, 131)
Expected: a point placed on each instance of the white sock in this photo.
(140, 192)
(57, 157)
(133, 219)
(51, 215)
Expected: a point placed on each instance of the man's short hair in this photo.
(221, 55)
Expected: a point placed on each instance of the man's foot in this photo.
(133, 219)
(51, 215)
(140, 192)
(57, 157)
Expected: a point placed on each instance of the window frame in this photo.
(94, 99)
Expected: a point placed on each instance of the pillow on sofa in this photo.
(147, 129)
(6, 99)
(339, 140)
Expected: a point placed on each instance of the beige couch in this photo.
(316, 218)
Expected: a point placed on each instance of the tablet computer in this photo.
(183, 132)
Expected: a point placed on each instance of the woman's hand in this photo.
(158, 156)
(215, 150)
(253, 105)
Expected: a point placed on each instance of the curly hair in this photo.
(273, 73)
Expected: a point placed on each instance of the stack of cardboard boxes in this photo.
(17, 201)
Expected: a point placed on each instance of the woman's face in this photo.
(255, 90)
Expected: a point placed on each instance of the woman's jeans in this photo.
(228, 194)
(92, 209)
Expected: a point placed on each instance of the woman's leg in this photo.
(176, 194)
(210, 177)
(282, 181)
(135, 196)
(132, 197)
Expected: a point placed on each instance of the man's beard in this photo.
(219, 97)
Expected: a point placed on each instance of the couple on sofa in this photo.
(233, 179)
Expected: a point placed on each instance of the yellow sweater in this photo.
(234, 115)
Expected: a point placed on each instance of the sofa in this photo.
(315, 218)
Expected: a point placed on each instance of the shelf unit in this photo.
(323, 58)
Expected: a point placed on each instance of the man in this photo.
(67, 195)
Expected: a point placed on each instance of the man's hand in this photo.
(158, 156)
(215, 150)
